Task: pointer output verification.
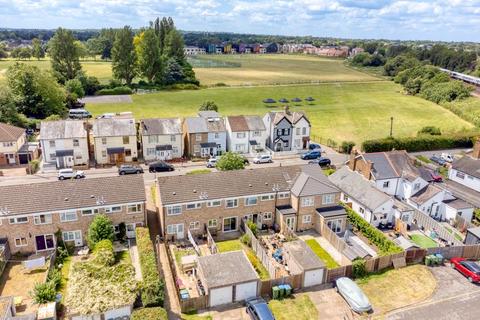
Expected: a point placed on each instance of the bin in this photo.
(281, 291)
(275, 292)
(288, 290)
(428, 261)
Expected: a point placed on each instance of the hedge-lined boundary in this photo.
(421, 143)
(152, 286)
(385, 245)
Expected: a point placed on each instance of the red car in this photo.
(468, 268)
(436, 177)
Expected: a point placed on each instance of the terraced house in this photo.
(14, 146)
(161, 139)
(32, 214)
(294, 197)
(205, 135)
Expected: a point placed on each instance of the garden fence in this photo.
(260, 252)
(425, 222)
(211, 243)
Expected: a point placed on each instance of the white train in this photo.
(463, 77)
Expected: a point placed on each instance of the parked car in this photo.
(438, 160)
(160, 166)
(447, 157)
(29, 131)
(265, 158)
(314, 146)
(436, 177)
(322, 162)
(468, 268)
(212, 162)
(108, 115)
(79, 114)
(351, 292)
(258, 309)
(129, 169)
(314, 154)
(70, 174)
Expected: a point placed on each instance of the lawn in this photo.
(342, 111)
(235, 245)
(299, 308)
(198, 171)
(423, 241)
(322, 254)
(276, 69)
(397, 288)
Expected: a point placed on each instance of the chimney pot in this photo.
(476, 149)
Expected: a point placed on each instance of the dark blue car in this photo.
(258, 309)
(310, 155)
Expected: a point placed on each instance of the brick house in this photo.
(288, 196)
(11, 141)
(115, 141)
(161, 139)
(205, 135)
(31, 214)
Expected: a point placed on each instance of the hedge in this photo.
(156, 313)
(114, 91)
(375, 236)
(421, 143)
(152, 286)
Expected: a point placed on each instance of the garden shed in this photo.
(300, 256)
(228, 277)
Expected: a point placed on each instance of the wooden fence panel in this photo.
(428, 223)
(334, 274)
(447, 252)
(196, 303)
(471, 252)
(337, 242)
(415, 255)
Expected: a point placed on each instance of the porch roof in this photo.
(286, 209)
(164, 147)
(208, 145)
(329, 212)
(115, 150)
(63, 153)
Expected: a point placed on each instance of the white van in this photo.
(79, 114)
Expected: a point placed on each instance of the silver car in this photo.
(70, 173)
(351, 292)
(265, 158)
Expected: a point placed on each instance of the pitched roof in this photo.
(303, 255)
(114, 127)
(358, 188)
(161, 126)
(71, 194)
(394, 164)
(10, 133)
(209, 114)
(425, 194)
(201, 125)
(246, 123)
(62, 129)
(468, 165)
(458, 204)
(226, 268)
(226, 184)
(312, 181)
(293, 117)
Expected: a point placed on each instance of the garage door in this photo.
(313, 277)
(245, 290)
(221, 296)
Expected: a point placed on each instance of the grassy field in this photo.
(423, 241)
(322, 254)
(300, 308)
(342, 111)
(277, 69)
(398, 288)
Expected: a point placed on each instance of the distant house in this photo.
(64, 142)
(13, 142)
(356, 51)
(246, 134)
(205, 135)
(192, 51)
(466, 170)
(115, 141)
(162, 139)
(287, 131)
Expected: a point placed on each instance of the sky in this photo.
(449, 20)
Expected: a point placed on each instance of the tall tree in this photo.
(8, 110)
(173, 72)
(64, 55)
(148, 53)
(165, 26)
(174, 45)
(35, 92)
(37, 49)
(124, 58)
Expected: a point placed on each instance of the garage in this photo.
(306, 261)
(227, 277)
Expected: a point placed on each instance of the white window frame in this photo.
(267, 197)
(194, 225)
(104, 140)
(198, 137)
(214, 203)
(136, 208)
(72, 233)
(63, 215)
(174, 210)
(307, 218)
(21, 245)
(460, 175)
(267, 216)
(307, 202)
(362, 210)
(89, 212)
(47, 218)
(153, 139)
(335, 225)
(173, 138)
(247, 201)
(196, 205)
(241, 135)
(212, 223)
(15, 220)
(328, 199)
(235, 201)
(386, 184)
(283, 195)
(113, 209)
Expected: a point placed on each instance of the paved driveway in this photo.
(330, 305)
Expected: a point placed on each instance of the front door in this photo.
(131, 230)
(230, 224)
(77, 236)
(290, 222)
(180, 231)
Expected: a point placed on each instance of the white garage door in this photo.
(245, 290)
(221, 296)
(313, 277)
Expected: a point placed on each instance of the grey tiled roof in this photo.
(468, 165)
(303, 255)
(114, 127)
(358, 188)
(218, 185)
(161, 126)
(312, 181)
(62, 129)
(425, 194)
(458, 204)
(395, 164)
(10, 133)
(292, 116)
(71, 194)
(201, 125)
(227, 268)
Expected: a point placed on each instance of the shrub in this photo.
(231, 161)
(421, 143)
(44, 292)
(114, 91)
(156, 313)
(55, 277)
(431, 130)
(104, 254)
(208, 106)
(100, 229)
(245, 239)
(358, 268)
(347, 146)
(34, 165)
(252, 226)
(62, 254)
(152, 286)
(375, 236)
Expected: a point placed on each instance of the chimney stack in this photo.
(287, 110)
(476, 149)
